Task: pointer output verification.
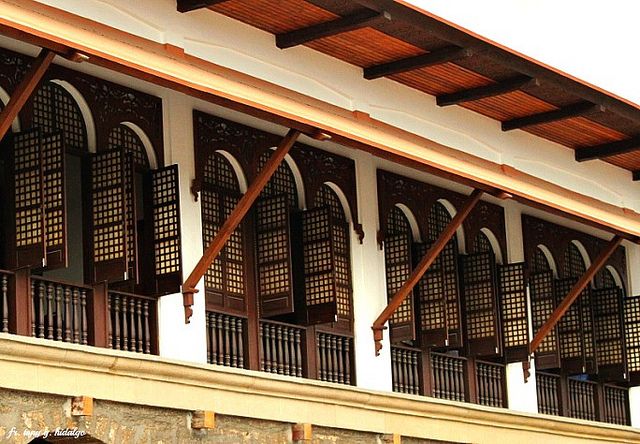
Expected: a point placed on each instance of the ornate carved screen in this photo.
(608, 315)
(273, 245)
(632, 337)
(512, 280)
(39, 200)
(480, 304)
(543, 302)
(165, 196)
(109, 210)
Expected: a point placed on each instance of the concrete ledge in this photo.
(68, 369)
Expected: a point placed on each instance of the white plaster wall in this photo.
(230, 43)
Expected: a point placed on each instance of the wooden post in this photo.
(422, 267)
(21, 310)
(471, 378)
(99, 315)
(584, 280)
(311, 352)
(24, 90)
(426, 374)
(599, 402)
(563, 394)
(234, 219)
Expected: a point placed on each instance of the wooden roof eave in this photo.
(168, 66)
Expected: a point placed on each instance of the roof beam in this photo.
(435, 57)
(608, 149)
(357, 20)
(482, 92)
(567, 112)
(192, 5)
(636, 175)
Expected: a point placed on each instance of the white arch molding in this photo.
(237, 169)
(87, 116)
(146, 142)
(297, 177)
(616, 276)
(343, 200)
(462, 248)
(583, 252)
(550, 260)
(4, 97)
(413, 222)
(495, 245)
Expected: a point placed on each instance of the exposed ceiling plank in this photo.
(192, 5)
(608, 149)
(567, 112)
(347, 23)
(481, 92)
(436, 57)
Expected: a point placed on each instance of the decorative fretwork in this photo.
(109, 216)
(124, 137)
(512, 281)
(398, 265)
(275, 287)
(166, 229)
(543, 303)
(480, 302)
(609, 330)
(225, 278)
(55, 109)
(632, 336)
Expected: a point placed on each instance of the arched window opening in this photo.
(225, 279)
(281, 183)
(124, 137)
(539, 262)
(574, 265)
(482, 244)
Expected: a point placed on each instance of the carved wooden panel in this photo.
(543, 303)
(512, 280)
(109, 228)
(608, 314)
(481, 304)
(165, 199)
(273, 248)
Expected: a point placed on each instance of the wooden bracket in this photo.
(234, 219)
(24, 90)
(577, 288)
(301, 432)
(526, 369)
(423, 266)
(82, 406)
(203, 420)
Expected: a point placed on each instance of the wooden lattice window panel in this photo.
(609, 329)
(543, 303)
(437, 220)
(53, 174)
(398, 266)
(481, 244)
(574, 266)
(480, 302)
(432, 304)
(326, 197)
(539, 263)
(130, 216)
(122, 136)
(281, 183)
(166, 229)
(225, 277)
(512, 280)
(575, 331)
(604, 279)
(55, 109)
(273, 245)
(632, 336)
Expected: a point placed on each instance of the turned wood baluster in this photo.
(214, 338)
(147, 336)
(34, 305)
(274, 349)
(50, 311)
(298, 340)
(347, 360)
(340, 352)
(334, 356)
(240, 330)
(266, 349)
(116, 301)
(109, 323)
(58, 304)
(5, 305)
(133, 339)
(208, 326)
(481, 378)
(76, 318)
(409, 360)
(323, 357)
(460, 379)
(285, 350)
(83, 315)
(126, 328)
(67, 314)
(281, 363)
(406, 371)
(225, 325)
(234, 343)
(292, 351)
(435, 370)
(394, 369)
(415, 358)
(220, 328)
(139, 323)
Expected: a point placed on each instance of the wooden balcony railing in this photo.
(6, 279)
(490, 383)
(449, 376)
(281, 348)
(406, 369)
(334, 358)
(226, 336)
(133, 319)
(581, 399)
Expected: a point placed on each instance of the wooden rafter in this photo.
(567, 112)
(357, 20)
(234, 219)
(608, 149)
(570, 298)
(482, 92)
(636, 175)
(436, 57)
(192, 5)
(430, 256)
(24, 90)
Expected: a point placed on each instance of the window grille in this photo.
(539, 264)
(512, 280)
(574, 266)
(609, 330)
(543, 303)
(125, 137)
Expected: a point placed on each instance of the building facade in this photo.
(371, 140)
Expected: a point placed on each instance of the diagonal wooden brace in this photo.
(570, 298)
(430, 256)
(24, 90)
(234, 219)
